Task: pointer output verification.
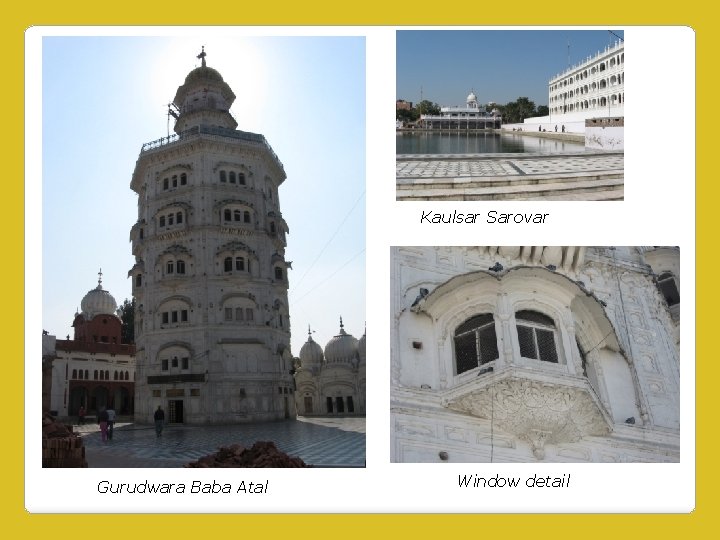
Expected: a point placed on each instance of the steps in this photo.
(580, 187)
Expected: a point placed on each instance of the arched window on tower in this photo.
(246, 216)
(180, 267)
(228, 263)
(223, 176)
(227, 215)
(232, 177)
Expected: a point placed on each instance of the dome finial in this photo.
(100, 279)
(341, 323)
(202, 55)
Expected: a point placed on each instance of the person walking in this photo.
(103, 421)
(111, 422)
(159, 420)
(81, 415)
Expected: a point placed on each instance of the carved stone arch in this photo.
(176, 297)
(231, 295)
(175, 344)
(179, 167)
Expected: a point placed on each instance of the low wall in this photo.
(605, 138)
(531, 124)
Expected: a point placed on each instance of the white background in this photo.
(659, 209)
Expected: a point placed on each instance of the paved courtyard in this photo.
(321, 442)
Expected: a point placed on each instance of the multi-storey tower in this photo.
(210, 278)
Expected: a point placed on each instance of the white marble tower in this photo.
(210, 278)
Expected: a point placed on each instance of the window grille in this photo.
(536, 335)
(475, 343)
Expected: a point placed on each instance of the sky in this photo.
(498, 65)
(103, 97)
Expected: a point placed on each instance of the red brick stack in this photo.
(262, 454)
(60, 446)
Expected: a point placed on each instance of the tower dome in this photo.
(343, 348)
(311, 353)
(98, 301)
(204, 99)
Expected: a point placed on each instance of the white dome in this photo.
(311, 353)
(97, 302)
(471, 97)
(361, 349)
(343, 348)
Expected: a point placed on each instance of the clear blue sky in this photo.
(103, 97)
(500, 65)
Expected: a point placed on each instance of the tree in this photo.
(427, 107)
(126, 312)
(543, 110)
(526, 108)
(406, 115)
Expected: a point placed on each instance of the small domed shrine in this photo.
(331, 382)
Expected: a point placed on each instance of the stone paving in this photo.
(462, 165)
(321, 442)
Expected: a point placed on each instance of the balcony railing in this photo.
(197, 131)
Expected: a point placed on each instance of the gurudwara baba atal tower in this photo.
(210, 278)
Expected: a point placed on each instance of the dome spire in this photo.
(100, 279)
(202, 56)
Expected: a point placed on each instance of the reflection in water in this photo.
(482, 142)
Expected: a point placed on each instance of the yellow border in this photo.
(698, 15)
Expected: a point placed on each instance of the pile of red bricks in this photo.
(60, 446)
(262, 454)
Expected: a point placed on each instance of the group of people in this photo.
(106, 420)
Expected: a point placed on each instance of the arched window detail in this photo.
(232, 177)
(228, 264)
(180, 267)
(223, 176)
(246, 216)
(227, 214)
(536, 335)
(475, 343)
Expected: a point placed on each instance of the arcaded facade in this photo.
(594, 88)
